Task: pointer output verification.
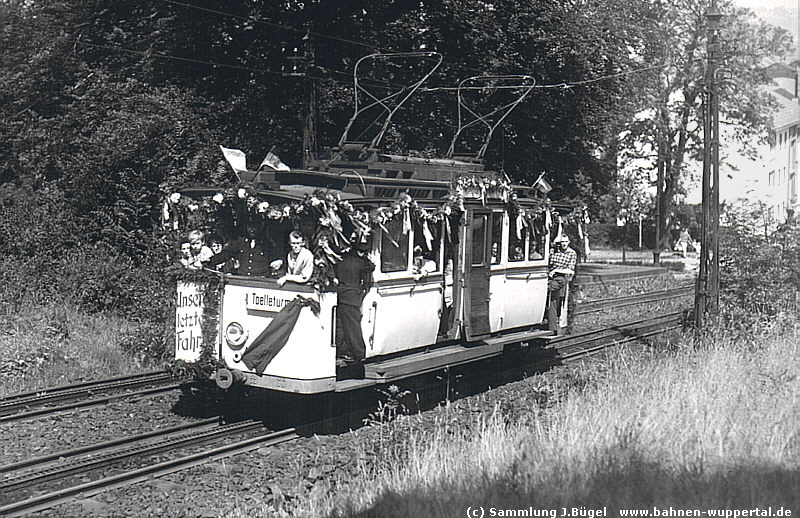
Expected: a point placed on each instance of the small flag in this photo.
(428, 235)
(542, 186)
(235, 158)
(273, 162)
(559, 234)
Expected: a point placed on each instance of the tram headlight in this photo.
(235, 335)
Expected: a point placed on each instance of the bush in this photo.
(759, 273)
(147, 342)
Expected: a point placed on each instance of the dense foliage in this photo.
(759, 270)
(105, 106)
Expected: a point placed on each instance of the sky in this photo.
(766, 3)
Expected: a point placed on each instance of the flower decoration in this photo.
(336, 217)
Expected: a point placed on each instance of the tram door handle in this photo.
(373, 317)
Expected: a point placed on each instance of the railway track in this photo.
(38, 484)
(34, 481)
(84, 395)
(596, 305)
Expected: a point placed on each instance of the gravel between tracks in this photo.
(50, 434)
(272, 481)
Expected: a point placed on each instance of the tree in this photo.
(667, 128)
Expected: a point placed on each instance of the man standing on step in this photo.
(562, 269)
(354, 275)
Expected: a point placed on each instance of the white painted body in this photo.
(307, 361)
(400, 313)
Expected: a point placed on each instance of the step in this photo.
(439, 358)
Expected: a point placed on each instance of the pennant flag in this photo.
(406, 221)
(235, 158)
(273, 162)
(428, 235)
(542, 186)
(559, 234)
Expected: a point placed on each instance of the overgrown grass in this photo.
(702, 425)
(44, 346)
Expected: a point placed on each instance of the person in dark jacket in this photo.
(248, 251)
(354, 273)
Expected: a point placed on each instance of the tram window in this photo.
(497, 236)
(421, 241)
(394, 247)
(516, 246)
(478, 239)
(535, 247)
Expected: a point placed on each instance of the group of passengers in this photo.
(247, 256)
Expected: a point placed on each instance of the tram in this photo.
(460, 273)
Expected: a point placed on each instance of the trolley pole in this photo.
(707, 288)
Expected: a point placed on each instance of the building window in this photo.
(771, 178)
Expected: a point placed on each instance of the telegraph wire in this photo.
(303, 31)
(372, 83)
(565, 85)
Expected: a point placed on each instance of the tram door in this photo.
(476, 286)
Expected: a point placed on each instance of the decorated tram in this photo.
(459, 254)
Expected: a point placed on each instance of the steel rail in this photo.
(170, 440)
(86, 385)
(606, 345)
(593, 306)
(87, 489)
(107, 444)
(88, 403)
(617, 331)
(596, 340)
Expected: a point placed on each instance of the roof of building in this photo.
(776, 70)
(788, 114)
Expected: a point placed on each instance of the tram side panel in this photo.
(401, 314)
(525, 294)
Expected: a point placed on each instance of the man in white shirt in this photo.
(299, 261)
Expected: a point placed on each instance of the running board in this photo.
(427, 361)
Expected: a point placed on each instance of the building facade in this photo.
(779, 188)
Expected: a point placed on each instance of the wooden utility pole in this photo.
(302, 66)
(660, 166)
(707, 288)
(310, 149)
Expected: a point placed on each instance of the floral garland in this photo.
(334, 216)
(481, 187)
(338, 222)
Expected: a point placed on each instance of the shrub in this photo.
(759, 272)
(147, 342)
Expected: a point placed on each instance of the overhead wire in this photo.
(562, 85)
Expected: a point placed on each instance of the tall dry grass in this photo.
(44, 346)
(703, 425)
